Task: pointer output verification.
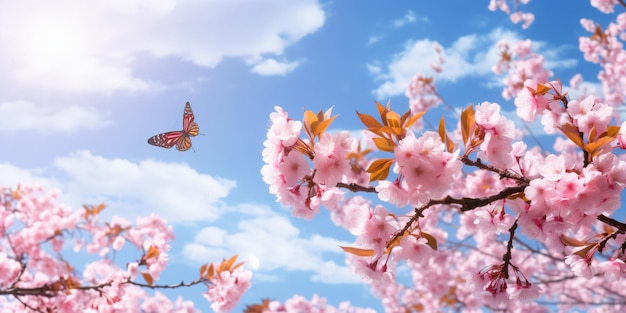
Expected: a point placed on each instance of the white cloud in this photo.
(23, 115)
(72, 45)
(270, 67)
(408, 18)
(11, 176)
(273, 243)
(373, 39)
(471, 55)
(174, 191)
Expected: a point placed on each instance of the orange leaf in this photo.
(237, 266)
(17, 193)
(382, 109)
(211, 272)
(384, 144)
(91, 210)
(568, 241)
(203, 269)
(612, 131)
(393, 119)
(369, 121)
(358, 251)
(572, 133)
(413, 119)
(323, 125)
(153, 252)
(231, 262)
(432, 241)
(379, 169)
(148, 278)
(467, 122)
(442, 130)
(542, 89)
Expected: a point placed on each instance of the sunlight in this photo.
(51, 44)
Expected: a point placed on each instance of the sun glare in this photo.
(51, 44)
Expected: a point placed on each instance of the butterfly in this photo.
(180, 138)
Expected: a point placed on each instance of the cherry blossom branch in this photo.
(503, 174)
(181, 284)
(405, 228)
(509, 247)
(611, 222)
(48, 292)
(468, 204)
(622, 2)
(355, 187)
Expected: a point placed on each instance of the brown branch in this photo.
(468, 204)
(611, 222)
(509, 247)
(181, 284)
(354, 187)
(503, 173)
(48, 292)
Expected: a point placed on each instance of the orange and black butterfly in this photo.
(180, 138)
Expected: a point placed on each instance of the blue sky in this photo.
(84, 86)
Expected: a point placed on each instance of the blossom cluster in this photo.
(36, 276)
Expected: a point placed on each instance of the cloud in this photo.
(471, 55)
(74, 46)
(258, 239)
(23, 115)
(408, 18)
(373, 39)
(271, 67)
(174, 191)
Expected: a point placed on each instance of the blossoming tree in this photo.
(481, 218)
(36, 277)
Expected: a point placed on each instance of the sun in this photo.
(48, 44)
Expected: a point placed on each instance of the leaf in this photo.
(442, 130)
(91, 210)
(542, 89)
(568, 241)
(594, 147)
(467, 122)
(211, 272)
(237, 266)
(369, 121)
(384, 144)
(572, 133)
(153, 252)
(309, 119)
(358, 251)
(148, 278)
(379, 169)
(409, 123)
(17, 193)
(393, 119)
(382, 109)
(432, 241)
(258, 308)
(592, 134)
(229, 264)
(444, 136)
(612, 131)
(322, 126)
(203, 269)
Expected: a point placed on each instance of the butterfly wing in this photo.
(168, 140)
(189, 126)
(183, 143)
